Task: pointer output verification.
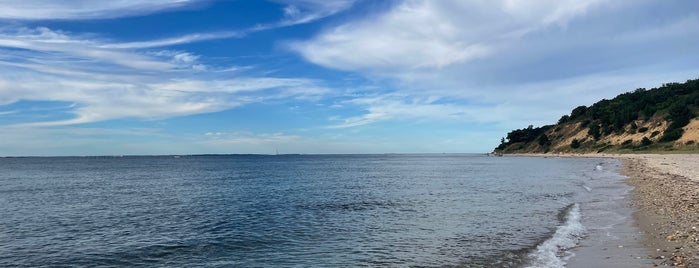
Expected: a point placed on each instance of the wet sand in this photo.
(666, 194)
(612, 237)
(664, 206)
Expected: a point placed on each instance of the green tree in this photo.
(578, 112)
(564, 119)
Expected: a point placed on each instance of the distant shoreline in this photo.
(666, 196)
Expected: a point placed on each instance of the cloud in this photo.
(85, 9)
(434, 34)
(295, 12)
(249, 138)
(304, 11)
(539, 58)
(59, 43)
(178, 40)
(111, 83)
(395, 107)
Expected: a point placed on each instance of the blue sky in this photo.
(89, 77)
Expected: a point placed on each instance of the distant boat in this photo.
(176, 156)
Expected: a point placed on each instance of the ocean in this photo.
(433, 210)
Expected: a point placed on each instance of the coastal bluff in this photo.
(659, 119)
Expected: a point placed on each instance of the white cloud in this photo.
(178, 40)
(85, 9)
(393, 107)
(48, 41)
(295, 12)
(111, 83)
(305, 11)
(434, 34)
(250, 138)
(521, 61)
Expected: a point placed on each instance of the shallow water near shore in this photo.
(301, 210)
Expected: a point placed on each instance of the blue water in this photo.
(288, 210)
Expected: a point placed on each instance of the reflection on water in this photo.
(247, 210)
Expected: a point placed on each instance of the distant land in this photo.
(662, 119)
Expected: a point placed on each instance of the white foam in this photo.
(588, 189)
(554, 251)
(599, 167)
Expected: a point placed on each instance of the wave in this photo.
(554, 252)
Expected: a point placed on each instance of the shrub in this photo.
(544, 140)
(672, 135)
(585, 123)
(642, 129)
(646, 141)
(575, 144)
(594, 131)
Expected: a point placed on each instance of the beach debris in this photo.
(679, 261)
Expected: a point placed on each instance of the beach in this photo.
(666, 195)
(665, 205)
(665, 201)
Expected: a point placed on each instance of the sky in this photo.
(83, 77)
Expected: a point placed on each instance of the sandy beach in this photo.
(666, 194)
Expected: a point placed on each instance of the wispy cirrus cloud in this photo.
(305, 11)
(402, 107)
(295, 12)
(177, 40)
(110, 83)
(105, 79)
(86, 9)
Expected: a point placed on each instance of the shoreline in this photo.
(665, 200)
(666, 196)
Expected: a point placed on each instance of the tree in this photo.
(578, 112)
(564, 119)
(646, 141)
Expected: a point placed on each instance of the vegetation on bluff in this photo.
(666, 110)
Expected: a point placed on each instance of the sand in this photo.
(666, 194)
(665, 199)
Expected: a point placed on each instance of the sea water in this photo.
(435, 210)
